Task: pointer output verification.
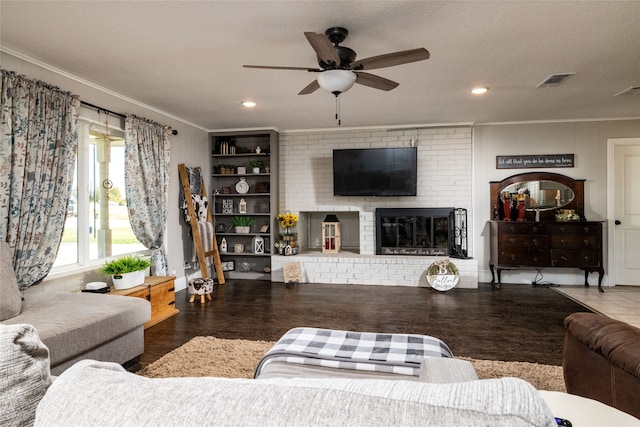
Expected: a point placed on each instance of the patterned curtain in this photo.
(38, 142)
(146, 178)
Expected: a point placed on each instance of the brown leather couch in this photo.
(601, 360)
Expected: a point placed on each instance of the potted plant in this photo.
(242, 224)
(255, 165)
(127, 271)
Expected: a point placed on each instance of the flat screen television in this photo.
(386, 172)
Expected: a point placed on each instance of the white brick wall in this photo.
(355, 269)
(306, 185)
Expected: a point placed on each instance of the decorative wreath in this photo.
(443, 266)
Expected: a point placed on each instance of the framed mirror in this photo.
(544, 192)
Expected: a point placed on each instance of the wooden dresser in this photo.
(160, 292)
(525, 231)
(547, 244)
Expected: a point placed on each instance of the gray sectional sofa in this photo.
(135, 400)
(92, 393)
(75, 325)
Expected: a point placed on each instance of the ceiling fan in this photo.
(339, 69)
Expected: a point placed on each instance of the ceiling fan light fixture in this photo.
(336, 81)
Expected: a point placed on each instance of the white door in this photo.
(626, 212)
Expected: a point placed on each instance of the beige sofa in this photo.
(98, 393)
(75, 325)
(104, 394)
(93, 393)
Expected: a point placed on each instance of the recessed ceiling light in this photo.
(479, 90)
(249, 104)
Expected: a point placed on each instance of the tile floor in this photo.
(618, 302)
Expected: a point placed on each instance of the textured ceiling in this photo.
(185, 58)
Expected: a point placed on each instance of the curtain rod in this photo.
(87, 104)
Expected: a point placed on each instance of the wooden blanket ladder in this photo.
(202, 254)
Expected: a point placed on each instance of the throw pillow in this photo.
(10, 299)
(24, 363)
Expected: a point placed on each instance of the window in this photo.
(97, 224)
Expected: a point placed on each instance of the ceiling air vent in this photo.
(633, 90)
(555, 79)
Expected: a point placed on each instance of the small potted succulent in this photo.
(255, 165)
(242, 224)
(127, 271)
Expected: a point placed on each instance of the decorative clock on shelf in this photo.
(242, 187)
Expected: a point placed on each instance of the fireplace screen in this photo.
(425, 231)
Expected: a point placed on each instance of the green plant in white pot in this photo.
(127, 271)
(255, 165)
(242, 224)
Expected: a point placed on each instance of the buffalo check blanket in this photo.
(367, 351)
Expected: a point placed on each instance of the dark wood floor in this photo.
(516, 323)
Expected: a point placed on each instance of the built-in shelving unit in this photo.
(258, 191)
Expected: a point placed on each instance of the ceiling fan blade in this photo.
(273, 67)
(323, 47)
(310, 88)
(391, 59)
(375, 82)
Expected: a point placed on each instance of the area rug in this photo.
(216, 357)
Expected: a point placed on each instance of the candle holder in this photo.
(521, 198)
(506, 204)
(521, 210)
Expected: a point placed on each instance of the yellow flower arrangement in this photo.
(287, 219)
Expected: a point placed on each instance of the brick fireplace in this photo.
(306, 188)
(363, 266)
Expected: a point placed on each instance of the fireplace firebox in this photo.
(421, 231)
